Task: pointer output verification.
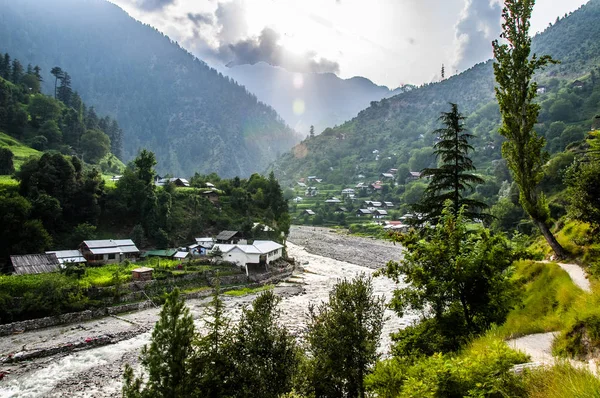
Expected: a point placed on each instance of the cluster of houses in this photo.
(228, 245)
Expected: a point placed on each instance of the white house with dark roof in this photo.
(259, 252)
(109, 251)
(68, 256)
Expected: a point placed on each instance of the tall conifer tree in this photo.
(453, 178)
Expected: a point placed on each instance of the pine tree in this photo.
(16, 73)
(37, 71)
(523, 149)
(213, 366)
(443, 72)
(167, 360)
(58, 73)
(64, 90)
(452, 178)
(5, 66)
(312, 131)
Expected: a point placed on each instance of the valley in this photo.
(97, 372)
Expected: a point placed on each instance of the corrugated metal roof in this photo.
(99, 243)
(267, 246)
(68, 256)
(226, 235)
(35, 263)
(181, 255)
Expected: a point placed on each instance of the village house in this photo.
(301, 184)
(308, 212)
(255, 256)
(229, 237)
(388, 176)
(376, 186)
(379, 213)
(414, 175)
(142, 274)
(68, 256)
(341, 210)
(388, 205)
(109, 251)
(333, 200)
(393, 171)
(165, 253)
(348, 192)
(178, 182)
(311, 191)
(363, 212)
(27, 264)
(211, 195)
(297, 199)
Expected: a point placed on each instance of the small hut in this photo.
(142, 274)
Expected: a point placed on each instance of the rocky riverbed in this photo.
(97, 372)
(339, 245)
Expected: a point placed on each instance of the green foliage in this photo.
(561, 380)
(455, 272)
(523, 148)
(452, 178)
(94, 145)
(264, 353)
(481, 370)
(167, 359)
(343, 335)
(6, 161)
(39, 296)
(547, 297)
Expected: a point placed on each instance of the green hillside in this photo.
(166, 100)
(20, 151)
(396, 133)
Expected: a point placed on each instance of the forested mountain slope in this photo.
(165, 100)
(395, 132)
(309, 99)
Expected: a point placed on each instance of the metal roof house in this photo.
(68, 256)
(109, 251)
(261, 252)
(231, 237)
(35, 263)
(178, 182)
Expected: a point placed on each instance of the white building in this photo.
(68, 256)
(260, 252)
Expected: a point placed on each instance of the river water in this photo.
(97, 372)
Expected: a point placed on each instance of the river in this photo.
(97, 372)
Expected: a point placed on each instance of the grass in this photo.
(574, 236)
(548, 298)
(103, 276)
(20, 151)
(561, 380)
(8, 181)
(248, 290)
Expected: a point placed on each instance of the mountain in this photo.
(165, 100)
(322, 99)
(396, 132)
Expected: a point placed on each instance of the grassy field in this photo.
(20, 151)
(248, 290)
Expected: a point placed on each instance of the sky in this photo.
(391, 42)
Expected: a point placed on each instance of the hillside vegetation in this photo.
(165, 100)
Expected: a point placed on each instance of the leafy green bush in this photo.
(483, 369)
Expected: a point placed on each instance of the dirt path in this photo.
(577, 274)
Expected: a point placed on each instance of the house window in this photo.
(111, 256)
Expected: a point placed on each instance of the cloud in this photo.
(479, 24)
(153, 5)
(200, 18)
(232, 19)
(266, 48)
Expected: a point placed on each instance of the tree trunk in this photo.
(559, 251)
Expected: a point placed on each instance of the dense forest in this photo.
(201, 121)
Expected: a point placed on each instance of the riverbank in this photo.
(339, 245)
(97, 372)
